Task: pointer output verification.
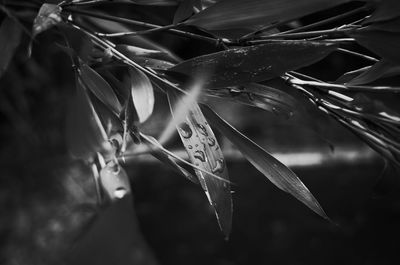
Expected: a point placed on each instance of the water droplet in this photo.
(185, 130)
(190, 147)
(120, 192)
(200, 155)
(211, 141)
(202, 129)
(219, 167)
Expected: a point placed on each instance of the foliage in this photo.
(118, 68)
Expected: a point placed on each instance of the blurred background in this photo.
(48, 203)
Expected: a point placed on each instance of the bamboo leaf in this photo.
(383, 43)
(184, 10)
(226, 14)
(142, 94)
(280, 175)
(49, 15)
(253, 63)
(392, 25)
(386, 10)
(378, 70)
(114, 181)
(84, 132)
(10, 36)
(100, 88)
(259, 96)
(204, 151)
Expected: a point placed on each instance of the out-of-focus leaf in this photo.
(10, 36)
(166, 159)
(114, 181)
(378, 70)
(348, 76)
(253, 63)
(260, 96)
(114, 238)
(392, 25)
(134, 51)
(386, 10)
(85, 133)
(383, 43)
(49, 15)
(227, 14)
(204, 151)
(184, 10)
(100, 88)
(153, 63)
(142, 94)
(280, 175)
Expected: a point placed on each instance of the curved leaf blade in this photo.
(100, 88)
(10, 36)
(204, 151)
(253, 63)
(378, 70)
(228, 14)
(142, 94)
(280, 175)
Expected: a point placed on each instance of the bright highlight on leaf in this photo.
(49, 15)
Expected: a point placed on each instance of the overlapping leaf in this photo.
(10, 36)
(226, 14)
(378, 70)
(184, 10)
(275, 171)
(204, 151)
(260, 96)
(253, 63)
(100, 88)
(386, 10)
(142, 94)
(49, 15)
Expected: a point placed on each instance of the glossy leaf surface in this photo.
(204, 151)
(253, 63)
(280, 175)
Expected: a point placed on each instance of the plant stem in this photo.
(370, 58)
(133, 33)
(142, 24)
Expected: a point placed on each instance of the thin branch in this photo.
(370, 58)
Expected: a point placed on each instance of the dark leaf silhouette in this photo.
(386, 10)
(228, 14)
(185, 10)
(85, 133)
(100, 88)
(280, 175)
(49, 15)
(383, 43)
(253, 63)
(392, 25)
(204, 151)
(10, 36)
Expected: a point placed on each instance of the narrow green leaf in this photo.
(226, 14)
(253, 63)
(10, 36)
(84, 132)
(280, 175)
(114, 181)
(184, 10)
(49, 15)
(378, 70)
(142, 94)
(204, 151)
(100, 88)
(383, 43)
(259, 96)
